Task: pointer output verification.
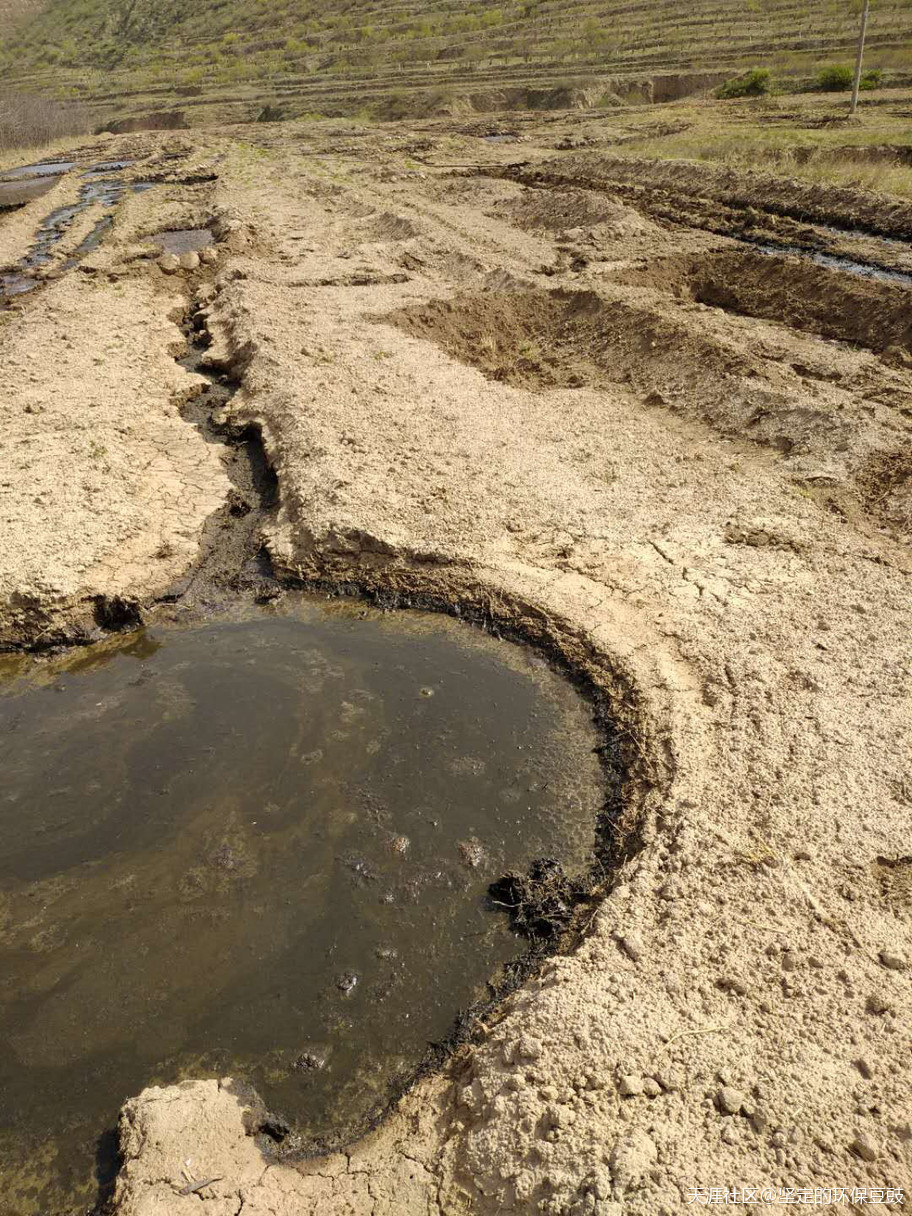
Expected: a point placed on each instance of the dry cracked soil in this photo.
(585, 399)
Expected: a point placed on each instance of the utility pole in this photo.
(860, 59)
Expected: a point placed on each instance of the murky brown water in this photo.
(247, 848)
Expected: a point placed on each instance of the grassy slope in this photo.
(322, 49)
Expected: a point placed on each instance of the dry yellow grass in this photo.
(802, 136)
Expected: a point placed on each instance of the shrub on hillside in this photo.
(28, 121)
(835, 78)
(755, 83)
(872, 79)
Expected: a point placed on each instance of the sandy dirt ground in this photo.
(682, 464)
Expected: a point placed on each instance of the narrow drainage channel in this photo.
(233, 558)
(26, 275)
(270, 836)
(833, 262)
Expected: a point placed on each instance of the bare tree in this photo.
(860, 57)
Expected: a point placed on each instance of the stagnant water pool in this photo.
(261, 846)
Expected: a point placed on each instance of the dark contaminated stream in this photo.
(260, 845)
(864, 270)
(98, 187)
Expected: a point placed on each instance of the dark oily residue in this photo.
(835, 262)
(108, 191)
(262, 845)
(108, 166)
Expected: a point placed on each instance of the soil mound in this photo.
(558, 211)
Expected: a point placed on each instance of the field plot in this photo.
(632, 388)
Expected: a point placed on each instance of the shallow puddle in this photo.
(51, 168)
(19, 186)
(17, 194)
(261, 846)
(184, 240)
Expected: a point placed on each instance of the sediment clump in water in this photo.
(262, 845)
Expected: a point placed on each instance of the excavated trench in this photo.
(651, 349)
(823, 297)
(831, 228)
(249, 821)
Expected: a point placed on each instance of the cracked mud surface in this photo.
(701, 503)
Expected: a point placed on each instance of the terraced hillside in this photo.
(227, 57)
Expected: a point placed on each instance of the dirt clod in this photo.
(729, 1100)
(866, 1147)
(540, 902)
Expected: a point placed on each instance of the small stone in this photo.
(789, 961)
(630, 1160)
(600, 1184)
(877, 1004)
(759, 1122)
(630, 1085)
(471, 853)
(733, 983)
(309, 1061)
(729, 1100)
(651, 1087)
(891, 961)
(347, 982)
(866, 1147)
(529, 1048)
(169, 263)
(209, 255)
(632, 945)
(189, 260)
